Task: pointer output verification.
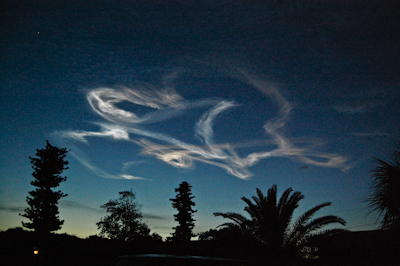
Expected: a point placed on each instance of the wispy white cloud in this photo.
(165, 103)
(111, 131)
(101, 173)
(204, 127)
(131, 177)
(104, 102)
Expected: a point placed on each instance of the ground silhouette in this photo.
(348, 248)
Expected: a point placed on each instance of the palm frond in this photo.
(252, 210)
(283, 200)
(287, 211)
(305, 217)
(270, 221)
(328, 232)
(271, 195)
(320, 222)
(384, 197)
(235, 217)
(229, 225)
(300, 223)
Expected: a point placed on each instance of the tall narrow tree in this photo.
(43, 210)
(183, 203)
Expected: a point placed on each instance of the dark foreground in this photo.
(351, 248)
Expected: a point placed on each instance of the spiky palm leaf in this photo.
(238, 220)
(384, 197)
(271, 221)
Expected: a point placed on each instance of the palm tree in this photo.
(384, 196)
(270, 222)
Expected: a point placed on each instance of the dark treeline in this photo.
(348, 248)
(266, 236)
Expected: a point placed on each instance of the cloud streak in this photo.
(101, 173)
(165, 103)
(11, 209)
(153, 216)
(76, 205)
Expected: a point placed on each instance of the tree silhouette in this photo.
(384, 194)
(270, 223)
(124, 221)
(43, 210)
(183, 202)
(222, 234)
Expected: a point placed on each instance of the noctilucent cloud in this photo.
(229, 96)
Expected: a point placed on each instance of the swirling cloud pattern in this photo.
(166, 103)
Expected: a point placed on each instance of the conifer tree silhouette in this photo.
(183, 203)
(43, 210)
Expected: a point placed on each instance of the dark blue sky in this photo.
(229, 96)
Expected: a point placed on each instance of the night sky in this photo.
(229, 96)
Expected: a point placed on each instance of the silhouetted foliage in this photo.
(156, 237)
(124, 221)
(384, 196)
(222, 233)
(183, 203)
(270, 223)
(348, 248)
(43, 210)
(211, 234)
